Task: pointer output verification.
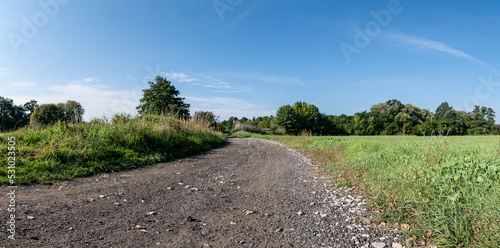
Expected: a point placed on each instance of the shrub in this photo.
(46, 114)
(240, 127)
(207, 117)
(121, 118)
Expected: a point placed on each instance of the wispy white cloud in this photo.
(204, 80)
(24, 84)
(426, 44)
(261, 78)
(226, 107)
(91, 80)
(180, 77)
(97, 99)
(5, 72)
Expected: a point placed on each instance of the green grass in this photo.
(446, 188)
(63, 152)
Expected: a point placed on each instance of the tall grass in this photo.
(241, 127)
(65, 151)
(447, 189)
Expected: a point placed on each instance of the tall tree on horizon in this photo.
(162, 98)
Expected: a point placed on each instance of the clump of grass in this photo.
(66, 151)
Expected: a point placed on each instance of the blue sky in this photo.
(249, 57)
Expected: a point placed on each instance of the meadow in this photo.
(445, 190)
(66, 151)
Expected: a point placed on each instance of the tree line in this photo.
(160, 98)
(14, 116)
(386, 118)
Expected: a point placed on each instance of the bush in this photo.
(120, 118)
(240, 127)
(46, 114)
(207, 117)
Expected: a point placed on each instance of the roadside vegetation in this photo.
(444, 190)
(57, 145)
(66, 151)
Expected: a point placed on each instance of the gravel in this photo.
(249, 193)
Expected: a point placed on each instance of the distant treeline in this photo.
(13, 116)
(387, 118)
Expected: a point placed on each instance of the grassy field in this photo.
(446, 189)
(63, 152)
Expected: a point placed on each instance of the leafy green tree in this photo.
(30, 106)
(442, 110)
(481, 120)
(229, 124)
(299, 117)
(263, 124)
(287, 119)
(72, 111)
(344, 124)
(46, 114)
(162, 98)
(361, 125)
(11, 116)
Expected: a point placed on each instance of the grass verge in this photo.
(446, 189)
(63, 152)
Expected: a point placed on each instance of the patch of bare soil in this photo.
(249, 193)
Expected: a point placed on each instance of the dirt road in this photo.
(249, 193)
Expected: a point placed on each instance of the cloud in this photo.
(180, 77)
(96, 99)
(91, 79)
(204, 80)
(24, 84)
(5, 72)
(426, 44)
(275, 79)
(226, 107)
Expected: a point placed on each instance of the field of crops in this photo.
(445, 188)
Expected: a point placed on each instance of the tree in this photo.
(30, 106)
(481, 120)
(287, 119)
(299, 117)
(442, 110)
(46, 114)
(162, 98)
(11, 116)
(72, 111)
(361, 123)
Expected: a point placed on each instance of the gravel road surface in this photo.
(248, 193)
